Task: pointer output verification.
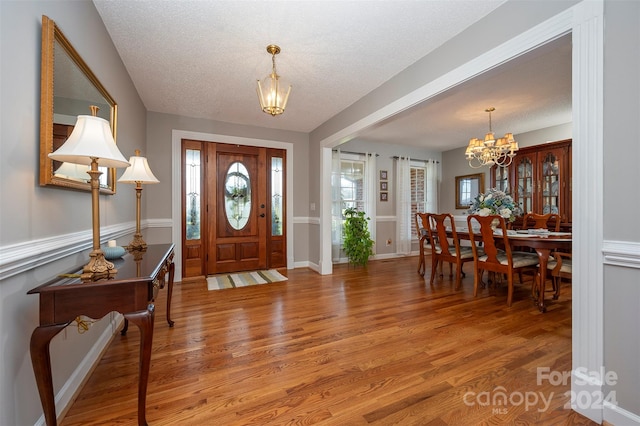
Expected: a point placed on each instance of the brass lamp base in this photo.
(137, 244)
(98, 267)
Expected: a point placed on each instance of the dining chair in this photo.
(495, 260)
(538, 221)
(443, 236)
(422, 229)
(559, 267)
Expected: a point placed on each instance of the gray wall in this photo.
(622, 198)
(33, 218)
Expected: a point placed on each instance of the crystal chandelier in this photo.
(490, 151)
(272, 91)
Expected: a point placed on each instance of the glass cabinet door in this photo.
(552, 164)
(539, 179)
(550, 181)
(525, 181)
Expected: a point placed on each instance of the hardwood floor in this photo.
(375, 346)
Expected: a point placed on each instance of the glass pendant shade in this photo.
(273, 92)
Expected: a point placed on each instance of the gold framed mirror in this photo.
(67, 89)
(467, 189)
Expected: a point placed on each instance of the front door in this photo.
(233, 203)
(238, 237)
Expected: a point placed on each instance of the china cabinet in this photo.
(539, 179)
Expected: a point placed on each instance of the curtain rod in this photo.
(395, 157)
(356, 153)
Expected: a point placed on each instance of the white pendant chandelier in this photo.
(490, 151)
(272, 91)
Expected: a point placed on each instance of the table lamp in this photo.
(138, 173)
(90, 143)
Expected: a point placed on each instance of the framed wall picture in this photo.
(383, 175)
(384, 196)
(384, 186)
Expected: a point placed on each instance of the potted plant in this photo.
(357, 239)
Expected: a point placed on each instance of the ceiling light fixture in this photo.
(271, 90)
(491, 151)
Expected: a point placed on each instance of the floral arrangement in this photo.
(495, 202)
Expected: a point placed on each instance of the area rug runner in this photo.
(244, 279)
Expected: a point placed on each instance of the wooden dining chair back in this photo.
(550, 221)
(444, 238)
(422, 230)
(502, 261)
(559, 267)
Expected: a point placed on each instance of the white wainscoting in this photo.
(25, 256)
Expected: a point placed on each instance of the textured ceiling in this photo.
(202, 59)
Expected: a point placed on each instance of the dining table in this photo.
(544, 243)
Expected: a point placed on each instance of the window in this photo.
(418, 194)
(192, 183)
(352, 184)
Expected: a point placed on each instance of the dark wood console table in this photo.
(132, 292)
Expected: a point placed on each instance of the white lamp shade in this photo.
(73, 171)
(138, 171)
(91, 138)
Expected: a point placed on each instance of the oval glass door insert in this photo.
(237, 195)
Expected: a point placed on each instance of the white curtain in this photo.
(403, 206)
(432, 186)
(370, 193)
(336, 207)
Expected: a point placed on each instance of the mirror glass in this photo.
(467, 189)
(68, 88)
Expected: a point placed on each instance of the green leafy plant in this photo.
(357, 239)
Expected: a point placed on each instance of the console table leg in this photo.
(144, 321)
(41, 360)
(172, 271)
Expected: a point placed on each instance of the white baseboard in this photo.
(615, 415)
(306, 264)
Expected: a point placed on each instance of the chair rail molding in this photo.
(28, 255)
(621, 253)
